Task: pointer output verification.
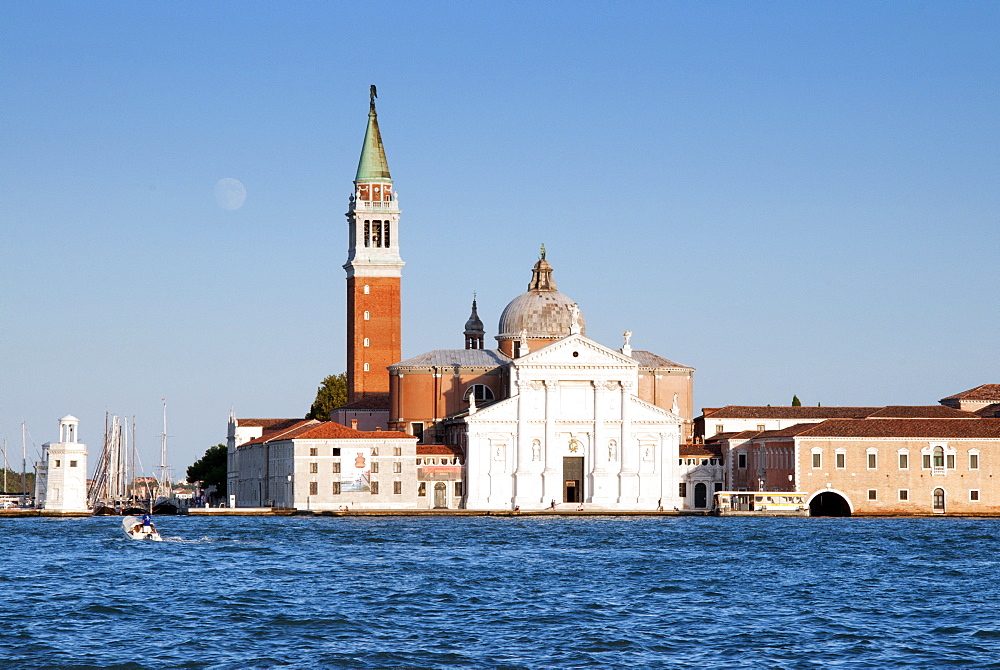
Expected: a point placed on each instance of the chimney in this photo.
(354, 424)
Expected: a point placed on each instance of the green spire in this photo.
(373, 166)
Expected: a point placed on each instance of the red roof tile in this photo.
(701, 450)
(328, 430)
(920, 412)
(783, 412)
(935, 429)
(267, 424)
(989, 392)
(438, 449)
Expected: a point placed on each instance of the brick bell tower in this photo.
(373, 270)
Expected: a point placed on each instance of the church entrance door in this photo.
(700, 496)
(573, 479)
(440, 496)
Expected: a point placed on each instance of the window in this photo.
(374, 451)
(926, 461)
(336, 467)
(950, 460)
(872, 494)
(760, 426)
(872, 460)
(422, 489)
(72, 464)
(397, 466)
(417, 430)
(938, 500)
(313, 488)
(973, 461)
(718, 428)
(938, 457)
(58, 463)
(397, 487)
(682, 490)
(374, 488)
(367, 289)
(718, 486)
(367, 316)
(974, 495)
(313, 468)
(368, 233)
(313, 451)
(741, 460)
(482, 393)
(817, 459)
(841, 460)
(397, 451)
(366, 367)
(335, 489)
(904, 460)
(458, 489)
(376, 233)
(366, 342)
(374, 466)
(904, 494)
(385, 234)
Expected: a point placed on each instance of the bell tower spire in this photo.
(374, 269)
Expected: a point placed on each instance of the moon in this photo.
(230, 193)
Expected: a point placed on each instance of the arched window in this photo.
(481, 391)
(938, 499)
(939, 459)
(366, 367)
(367, 342)
(367, 315)
(367, 289)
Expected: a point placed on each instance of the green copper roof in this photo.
(373, 166)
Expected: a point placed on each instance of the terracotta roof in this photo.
(328, 430)
(647, 359)
(920, 412)
(703, 450)
(742, 435)
(282, 430)
(990, 411)
(438, 449)
(783, 412)
(911, 428)
(790, 431)
(989, 392)
(373, 401)
(473, 358)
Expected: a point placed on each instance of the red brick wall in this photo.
(382, 330)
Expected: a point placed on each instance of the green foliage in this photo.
(329, 396)
(210, 469)
(796, 402)
(14, 484)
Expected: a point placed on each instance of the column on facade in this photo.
(552, 475)
(478, 480)
(522, 472)
(629, 450)
(604, 487)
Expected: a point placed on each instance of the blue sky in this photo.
(794, 198)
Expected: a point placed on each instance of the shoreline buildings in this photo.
(550, 417)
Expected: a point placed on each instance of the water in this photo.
(519, 592)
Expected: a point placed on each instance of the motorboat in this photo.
(133, 527)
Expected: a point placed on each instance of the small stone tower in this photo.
(474, 330)
(65, 465)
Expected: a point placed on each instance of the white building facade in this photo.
(572, 432)
(62, 473)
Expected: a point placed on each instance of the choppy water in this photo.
(522, 592)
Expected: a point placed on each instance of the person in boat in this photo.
(147, 522)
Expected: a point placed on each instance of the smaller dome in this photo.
(474, 326)
(542, 312)
(69, 418)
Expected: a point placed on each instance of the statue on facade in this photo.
(524, 341)
(574, 315)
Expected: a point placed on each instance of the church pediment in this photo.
(576, 351)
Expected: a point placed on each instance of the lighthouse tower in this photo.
(65, 465)
(374, 268)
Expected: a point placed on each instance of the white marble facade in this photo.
(573, 432)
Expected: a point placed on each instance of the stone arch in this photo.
(830, 502)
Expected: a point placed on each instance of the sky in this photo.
(793, 198)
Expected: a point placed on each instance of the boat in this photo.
(132, 526)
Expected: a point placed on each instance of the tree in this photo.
(796, 402)
(331, 394)
(210, 469)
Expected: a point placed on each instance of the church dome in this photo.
(542, 312)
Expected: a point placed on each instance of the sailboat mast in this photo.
(24, 467)
(163, 451)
